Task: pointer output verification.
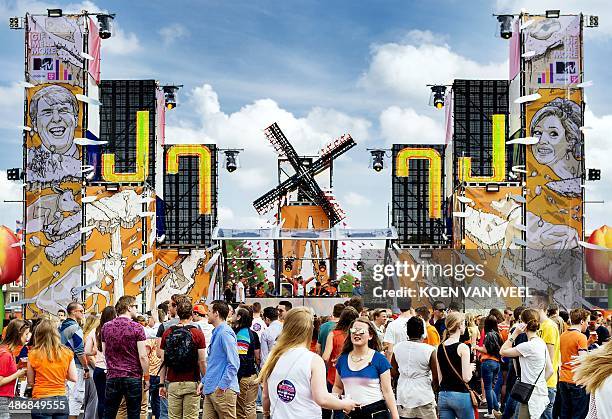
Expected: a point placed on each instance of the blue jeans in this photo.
(63, 401)
(99, 377)
(511, 407)
(117, 389)
(548, 413)
(574, 401)
(163, 408)
(154, 395)
(455, 405)
(489, 370)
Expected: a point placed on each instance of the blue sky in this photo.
(320, 68)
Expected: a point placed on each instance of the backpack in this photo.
(180, 352)
(492, 343)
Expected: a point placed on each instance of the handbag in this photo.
(474, 397)
(521, 392)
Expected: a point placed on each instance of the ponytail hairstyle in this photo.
(296, 333)
(531, 318)
(453, 322)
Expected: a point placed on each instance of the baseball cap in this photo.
(200, 309)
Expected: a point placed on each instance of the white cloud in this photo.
(173, 32)
(254, 179)
(11, 107)
(598, 144)
(225, 214)
(10, 191)
(403, 68)
(121, 42)
(601, 8)
(354, 199)
(399, 125)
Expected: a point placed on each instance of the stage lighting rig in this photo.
(231, 159)
(14, 174)
(438, 93)
(170, 95)
(54, 12)
(322, 266)
(105, 29)
(505, 26)
(553, 14)
(16, 22)
(594, 174)
(378, 159)
(250, 265)
(289, 264)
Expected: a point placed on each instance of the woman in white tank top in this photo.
(293, 378)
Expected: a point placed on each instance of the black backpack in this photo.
(180, 352)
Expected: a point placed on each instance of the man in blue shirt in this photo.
(220, 383)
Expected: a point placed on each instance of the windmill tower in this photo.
(305, 208)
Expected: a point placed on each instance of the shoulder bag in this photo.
(473, 395)
(521, 392)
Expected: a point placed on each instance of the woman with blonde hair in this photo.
(50, 364)
(594, 371)
(472, 327)
(293, 378)
(90, 399)
(454, 371)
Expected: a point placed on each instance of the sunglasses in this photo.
(358, 331)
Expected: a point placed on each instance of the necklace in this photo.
(359, 359)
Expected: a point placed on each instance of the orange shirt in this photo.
(338, 343)
(50, 376)
(433, 337)
(503, 331)
(571, 342)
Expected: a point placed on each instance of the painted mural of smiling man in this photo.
(54, 113)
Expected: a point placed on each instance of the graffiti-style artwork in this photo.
(180, 274)
(493, 227)
(54, 46)
(554, 171)
(554, 45)
(499, 156)
(115, 248)
(554, 195)
(54, 117)
(53, 191)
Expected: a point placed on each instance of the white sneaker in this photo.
(259, 409)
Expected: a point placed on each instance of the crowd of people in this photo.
(234, 361)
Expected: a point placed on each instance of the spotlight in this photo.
(553, 14)
(105, 25)
(289, 264)
(54, 12)
(14, 174)
(15, 22)
(378, 159)
(505, 26)
(593, 22)
(231, 160)
(594, 174)
(170, 96)
(438, 92)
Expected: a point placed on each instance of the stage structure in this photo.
(515, 155)
(309, 208)
(110, 208)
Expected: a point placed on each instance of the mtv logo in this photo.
(45, 64)
(566, 67)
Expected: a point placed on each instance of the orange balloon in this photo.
(599, 262)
